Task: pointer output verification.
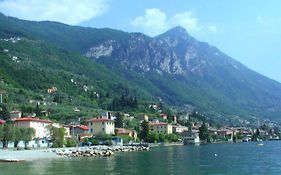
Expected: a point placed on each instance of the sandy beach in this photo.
(27, 155)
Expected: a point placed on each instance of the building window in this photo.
(102, 123)
(91, 129)
(102, 129)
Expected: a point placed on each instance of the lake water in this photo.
(214, 159)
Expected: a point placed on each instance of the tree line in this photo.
(11, 133)
(123, 102)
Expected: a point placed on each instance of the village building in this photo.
(190, 137)
(42, 131)
(77, 130)
(106, 115)
(179, 129)
(126, 132)
(226, 133)
(52, 90)
(160, 127)
(101, 126)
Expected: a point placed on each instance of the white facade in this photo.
(39, 125)
(179, 129)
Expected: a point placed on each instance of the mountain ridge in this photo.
(174, 66)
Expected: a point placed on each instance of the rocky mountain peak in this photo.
(175, 33)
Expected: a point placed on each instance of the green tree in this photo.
(256, 135)
(203, 132)
(153, 137)
(71, 142)
(4, 112)
(144, 133)
(119, 120)
(1, 132)
(172, 137)
(162, 137)
(258, 132)
(19, 133)
(135, 102)
(57, 136)
(9, 134)
(28, 135)
(38, 110)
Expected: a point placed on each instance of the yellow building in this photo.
(101, 125)
(160, 127)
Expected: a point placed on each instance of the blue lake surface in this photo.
(213, 159)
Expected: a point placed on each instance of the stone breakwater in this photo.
(96, 151)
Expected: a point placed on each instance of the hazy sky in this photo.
(247, 30)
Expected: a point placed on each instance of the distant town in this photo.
(18, 131)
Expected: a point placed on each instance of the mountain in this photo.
(193, 72)
(173, 66)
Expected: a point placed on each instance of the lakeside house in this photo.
(101, 126)
(160, 127)
(190, 137)
(177, 129)
(42, 133)
(77, 130)
(126, 132)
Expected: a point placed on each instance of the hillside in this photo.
(174, 67)
(30, 67)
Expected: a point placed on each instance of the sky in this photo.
(247, 30)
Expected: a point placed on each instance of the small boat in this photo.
(260, 144)
(11, 160)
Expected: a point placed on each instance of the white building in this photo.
(42, 132)
(179, 129)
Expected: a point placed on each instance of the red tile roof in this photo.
(84, 127)
(157, 123)
(32, 119)
(100, 120)
(2, 122)
(122, 131)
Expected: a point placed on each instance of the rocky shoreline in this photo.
(96, 151)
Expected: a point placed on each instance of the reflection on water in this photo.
(227, 159)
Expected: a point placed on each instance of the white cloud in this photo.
(66, 11)
(155, 21)
(212, 28)
(186, 20)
